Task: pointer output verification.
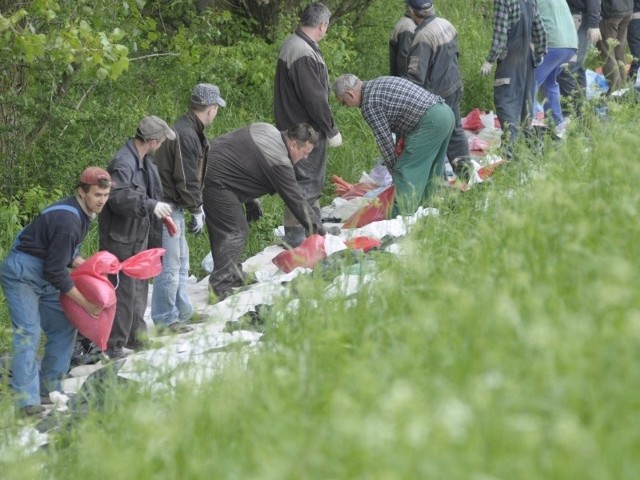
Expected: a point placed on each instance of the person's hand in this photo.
(162, 210)
(77, 261)
(253, 210)
(335, 141)
(320, 230)
(197, 222)
(486, 68)
(594, 35)
(92, 309)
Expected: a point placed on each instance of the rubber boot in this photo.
(293, 236)
(462, 167)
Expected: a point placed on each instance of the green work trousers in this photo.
(420, 165)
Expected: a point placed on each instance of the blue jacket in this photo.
(55, 236)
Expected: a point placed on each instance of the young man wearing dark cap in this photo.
(34, 274)
(130, 223)
(433, 64)
(181, 164)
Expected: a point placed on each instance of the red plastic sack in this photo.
(363, 243)
(310, 252)
(144, 265)
(488, 170)
(374, 212)
(473, 121)
(91, 279)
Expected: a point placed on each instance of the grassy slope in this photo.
(504, 345)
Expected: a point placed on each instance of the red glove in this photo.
(171, 226)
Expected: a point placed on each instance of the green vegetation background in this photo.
(503, 343)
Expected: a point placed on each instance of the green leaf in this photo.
(117, 34)
(118, 67)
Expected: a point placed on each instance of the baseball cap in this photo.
(207, 94)
(153, 128)
(92, 175)
(420, 4)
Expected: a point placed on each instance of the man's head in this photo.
(300, 140)
(94, 186)
(205, 101)
(153, 131)
(314, 20)
(420, 9)
(348, 90)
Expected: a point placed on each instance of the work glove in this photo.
(196, 223)
(594, 35)
(162, 209)
(253, 210)
(486, 68)
(335, 141)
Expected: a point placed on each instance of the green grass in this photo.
(503, 344)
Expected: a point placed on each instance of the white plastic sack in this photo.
(207, 263)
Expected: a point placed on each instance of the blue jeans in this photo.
(169, 300)
(546, 75)
(34, 304)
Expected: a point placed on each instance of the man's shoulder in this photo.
(405, 24)
(295, 47)
(123, 155)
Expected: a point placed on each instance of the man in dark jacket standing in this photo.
(243, 165)
(301, 95)
(182, 163)
(400, 44)
(127, 226)
(433, 64)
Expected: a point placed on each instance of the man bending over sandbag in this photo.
(244, 165)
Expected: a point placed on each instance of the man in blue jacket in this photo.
(33, 275)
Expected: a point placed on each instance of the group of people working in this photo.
(178, 172)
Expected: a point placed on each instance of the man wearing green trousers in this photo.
(393, 105)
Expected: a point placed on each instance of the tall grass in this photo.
(504, 343)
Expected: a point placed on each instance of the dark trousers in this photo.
(228, 232)
(458, 144)
(131, 297)
(615, 65)
(513, 93)
(633, 37)
(310, 175)
(573, 79)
